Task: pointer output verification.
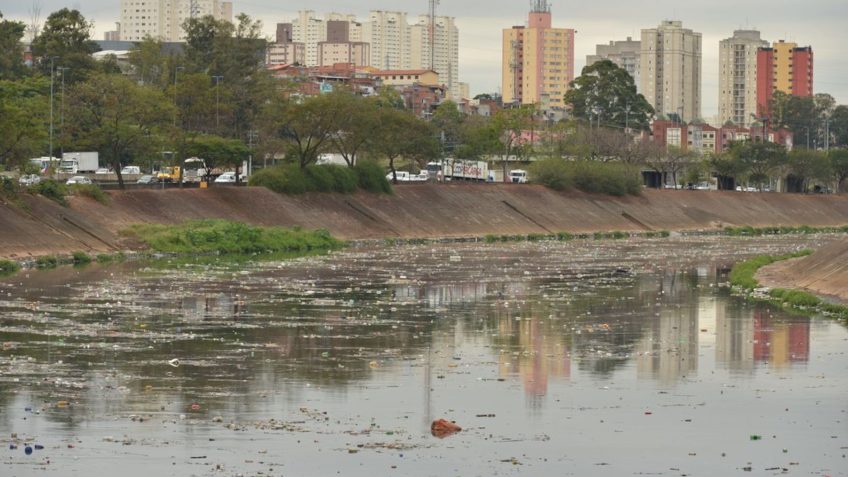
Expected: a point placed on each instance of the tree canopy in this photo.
(66, 39)
(606, 93)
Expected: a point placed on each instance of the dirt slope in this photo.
(825, 272)
(425, 210)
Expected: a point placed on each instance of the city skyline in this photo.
(480, 30)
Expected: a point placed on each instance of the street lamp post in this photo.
(62, 69)
(52, 58)
(218, 80)
(176, 70)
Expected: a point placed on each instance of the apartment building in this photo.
(626, 54)
(784, 67)
(670, 70)
(163, 19)
(737, 90)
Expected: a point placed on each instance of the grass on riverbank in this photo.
(8, 267)
(226, 237)
(742, 276)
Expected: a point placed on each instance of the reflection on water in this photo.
(260, 338)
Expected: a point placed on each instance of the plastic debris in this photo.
(442, 428)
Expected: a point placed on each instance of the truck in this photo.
(194, 170)
(518, 176)
(45, 163)
(455, 169)
(79, 162)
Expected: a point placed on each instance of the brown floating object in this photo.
(442, 428)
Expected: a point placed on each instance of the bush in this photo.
(81, 258)
(613, 178)
(372, 177)
(48, 261)
(90, 190)
(8, 187)
(53, 190)
(795, 297)
(291, 179)
(564, 236)
(8, 267)
(742, 274)
(553, 173)
(221, 236)
(104, 258)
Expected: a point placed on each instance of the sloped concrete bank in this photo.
(824, 273)
(413, 211)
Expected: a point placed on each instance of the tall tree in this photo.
(218, 152)
(117, 117)
(510, 126)
(66, 39)
(839, 126)
(401, 134)
(150, 63)
(356, 120)
(839, 167)
(302, 128)
(758, 161)
(11, 50)
(23, 119)
(606, 93)
(808, 167)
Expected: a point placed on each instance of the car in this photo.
(147, 179)
(702, 186)
(103, 170)
(131, 170)
(78, 180)
(226, 178)
(29, 180)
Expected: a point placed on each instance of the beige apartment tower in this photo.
(737, 85)
(670, 70)
(444, 57)
(538, 60)
(163, 19)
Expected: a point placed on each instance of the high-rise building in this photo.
(388, 34)
(783, 67)
(538, 60)
(444, 56)
(163, 19)
(114, 35)
(339, 49)
(284, 51)
(626, 54)
(737, 84)
(670, 70)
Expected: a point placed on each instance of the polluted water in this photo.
(582, 357)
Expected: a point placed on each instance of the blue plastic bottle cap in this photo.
(28, 450)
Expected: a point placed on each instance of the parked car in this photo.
(29, 180)
(226, 178)
(78, 180)
(131, 170)
(146, 179)
(103, 170)
(702, 186)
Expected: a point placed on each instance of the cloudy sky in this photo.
(823, 24)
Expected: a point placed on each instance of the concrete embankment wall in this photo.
(426, 210)
(825, 272)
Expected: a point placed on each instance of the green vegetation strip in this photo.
(292, 179)
(742, 276)
(226, 237)
(8, 267)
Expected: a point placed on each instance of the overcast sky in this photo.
(822, 24)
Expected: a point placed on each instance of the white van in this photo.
(518, 176)
(131, 170)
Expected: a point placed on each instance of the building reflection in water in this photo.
(217, 306)
(743, 341)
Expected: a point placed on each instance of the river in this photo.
(612, 357)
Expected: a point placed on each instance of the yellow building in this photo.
(538, 60)
(408, 77)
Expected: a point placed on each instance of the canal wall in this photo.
(824, 273)
(427, 210)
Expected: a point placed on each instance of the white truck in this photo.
(466, 170)
(518, 176)
(79, 162)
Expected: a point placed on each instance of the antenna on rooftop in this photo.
(432, 32)
(541, 6)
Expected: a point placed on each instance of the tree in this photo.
(218, 152)
(606, 93)
(448, 119)
(301, 126)
(758, 161)
(839, 167)
(11, 51)
(669, 161)
(839, 126)
(117, 117)
(356, 120)
(149, 63)
(400, 134)
(510, 125)
(23, 119)
(727, 169)
(66, 38)
(806, 167)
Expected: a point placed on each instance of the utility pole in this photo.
(176, 70)
(51, 109)
(827, 134)
(218, 80)
(63, 69)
